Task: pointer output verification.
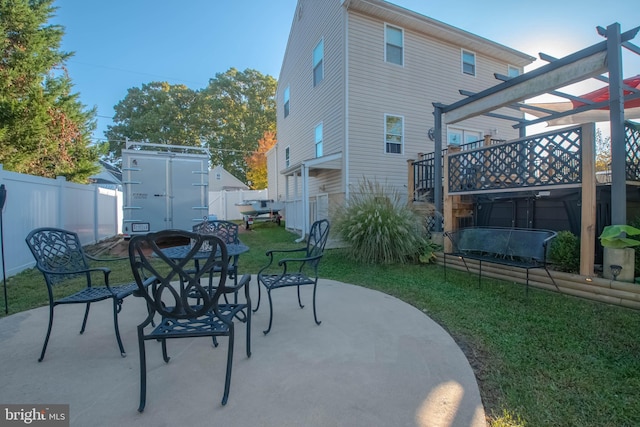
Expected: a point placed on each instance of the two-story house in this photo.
(355, 98)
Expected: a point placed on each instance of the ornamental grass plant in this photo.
(379, 227)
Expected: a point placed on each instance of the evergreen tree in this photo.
(44, 129)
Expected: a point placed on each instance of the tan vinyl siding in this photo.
(432, 72)
(312, 105)
(370, 88)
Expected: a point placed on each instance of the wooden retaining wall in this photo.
(594, 288)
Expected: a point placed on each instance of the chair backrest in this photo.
(176, 283)
(318, 236)
(57, 250)
(225, 230)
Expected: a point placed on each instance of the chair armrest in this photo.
(284, 261)
(270, 254)
(282, 251)
(106, 271)
(302, 261)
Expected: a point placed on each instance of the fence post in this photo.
(62, 198)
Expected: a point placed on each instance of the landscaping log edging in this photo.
(594, 288)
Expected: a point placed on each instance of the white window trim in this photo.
(313, 63)
(475, 62)
(509, 67)
(463, 131)
(287, 100)
(315, 142)
(386, 25)
(287, 156)
(384, 146)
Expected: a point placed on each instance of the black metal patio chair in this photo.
(61, 259)
(168, 285)
(227, 231)
(295, 271)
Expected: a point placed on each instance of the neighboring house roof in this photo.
(220, 179)
(109, 175)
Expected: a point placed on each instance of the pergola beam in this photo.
(543, 80)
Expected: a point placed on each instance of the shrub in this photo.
(378, 227)
(565, 252)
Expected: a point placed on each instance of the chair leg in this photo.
(299, 300)
(248, 329)
(46, 339)
(270, 312)
(116, 308)
(86, 316)
(315, 317)
(143, 371)
(259, 293)
(227, 380)
(165, 356)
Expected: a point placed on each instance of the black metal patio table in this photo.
(179, 252)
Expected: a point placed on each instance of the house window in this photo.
(393, 45)
(393, 131)
(287, 159)
(318, 139)
(218, 176)
(513, 71)
(458, 136)
(318, 63)
(286, 101)
(468, 63)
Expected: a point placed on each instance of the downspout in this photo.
(345, 172)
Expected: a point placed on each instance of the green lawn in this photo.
(545, 360)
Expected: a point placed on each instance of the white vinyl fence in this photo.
(94, 213)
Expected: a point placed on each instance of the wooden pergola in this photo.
(589, 63)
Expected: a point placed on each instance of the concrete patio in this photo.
(374, 361)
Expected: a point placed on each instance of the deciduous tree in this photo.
(157, 112)
(237, 108)
(257, 162)
(603, 152)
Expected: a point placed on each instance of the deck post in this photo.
(411, 182)
(450, 222)
(438, 180)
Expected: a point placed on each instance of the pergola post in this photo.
(588, 203)
(616, 112)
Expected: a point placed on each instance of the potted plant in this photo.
(619, 253)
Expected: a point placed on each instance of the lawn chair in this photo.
(295, 271)
(60, 258)
(174, 282)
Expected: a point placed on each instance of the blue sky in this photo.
(120, 44)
